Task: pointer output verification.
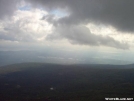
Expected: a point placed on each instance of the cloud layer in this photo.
(7, 7)
(81, 35)
(114, 12)
(25, 26)
(79, 13)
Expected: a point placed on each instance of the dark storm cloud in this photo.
(7, 7)
(81, 35)
(118, 13)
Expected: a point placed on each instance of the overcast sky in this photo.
(87, 26)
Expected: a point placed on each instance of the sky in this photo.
(69, 31)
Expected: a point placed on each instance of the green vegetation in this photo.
(33, 82)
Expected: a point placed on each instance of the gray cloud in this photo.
(118, 13)
(7, 7)
(13, 32)
(82, 36)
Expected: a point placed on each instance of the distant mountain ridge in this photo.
(24, 66)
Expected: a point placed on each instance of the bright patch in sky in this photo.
(25, 8)
(59, 13)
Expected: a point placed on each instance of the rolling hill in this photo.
(54, 82)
